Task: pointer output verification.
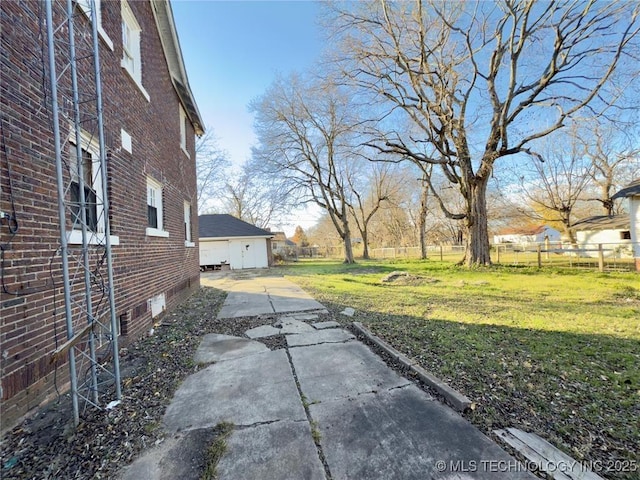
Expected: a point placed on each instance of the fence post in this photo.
(539, 256)
(440, 252)
(547, 245)
(498, 252)
(600, 258)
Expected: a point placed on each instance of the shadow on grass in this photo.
(581, 392)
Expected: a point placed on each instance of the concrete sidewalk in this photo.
(251, 294)
(323, 407)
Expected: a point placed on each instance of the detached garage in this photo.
(228, 242)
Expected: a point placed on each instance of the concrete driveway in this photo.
(252, 293)
(323, 407)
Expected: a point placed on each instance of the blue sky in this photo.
(234, 49)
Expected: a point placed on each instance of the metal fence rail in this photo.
(601, 256)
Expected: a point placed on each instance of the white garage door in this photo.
(214, 253)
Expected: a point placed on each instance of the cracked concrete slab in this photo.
(276, 451)
(259, 295)
(179, 456)
(243, 391)
(304, 317)
(338, 370)
(403, 434)
(263, 331)
(215, 348)
(325, 325)
(288, 325)
(316, 337)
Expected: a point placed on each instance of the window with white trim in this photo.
(85, 5)
(154, 209)
(83, 169)
(183, 129)
(131, 53)
(87, 170)
(188, 242)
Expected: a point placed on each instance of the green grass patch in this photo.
(216, 450)
(553, 351)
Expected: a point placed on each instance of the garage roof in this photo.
(227, 226)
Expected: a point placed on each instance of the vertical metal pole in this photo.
(61, 208)
(82, 200)
(105, 201)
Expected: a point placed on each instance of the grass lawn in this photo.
(555, 352)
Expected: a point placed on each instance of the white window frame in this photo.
(85, 6)
(188, 241)
(131, 51)
(91, 145)
(183, 131)
(154, 199)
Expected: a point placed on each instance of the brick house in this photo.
(150, 121)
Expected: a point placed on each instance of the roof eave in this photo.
(173, 54)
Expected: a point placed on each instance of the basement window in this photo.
(625, 235)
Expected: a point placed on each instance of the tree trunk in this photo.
(422, 220)
(365, 243)
(607, 203)
(346, 238)
(477, 241)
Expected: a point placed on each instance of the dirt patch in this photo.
(405, 278)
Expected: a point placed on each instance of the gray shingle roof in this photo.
(630, 190)
(225, 226)
(603, 222)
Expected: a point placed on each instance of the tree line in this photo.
(454, 113)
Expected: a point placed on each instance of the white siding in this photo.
(214, 252)
(238, 253)
(634, 213)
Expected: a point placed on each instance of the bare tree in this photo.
(211, 167)
(554, 184)
(367, 193)
(254, 198)
(481, 80)
(306, 143)
(615, 160)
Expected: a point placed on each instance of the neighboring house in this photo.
(282, 246)
(632, 193)
(228, 242)
(603, 229)
(612, 232)
(527, 234)
(150, 121)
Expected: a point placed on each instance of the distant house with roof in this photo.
(283, 247)
(612, 233)
(632, 193)
(226, 242)
(603, 229)
(527, 234)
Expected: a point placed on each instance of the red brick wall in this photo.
(32, 302)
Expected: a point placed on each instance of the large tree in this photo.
(307, 144)
(480, 81)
